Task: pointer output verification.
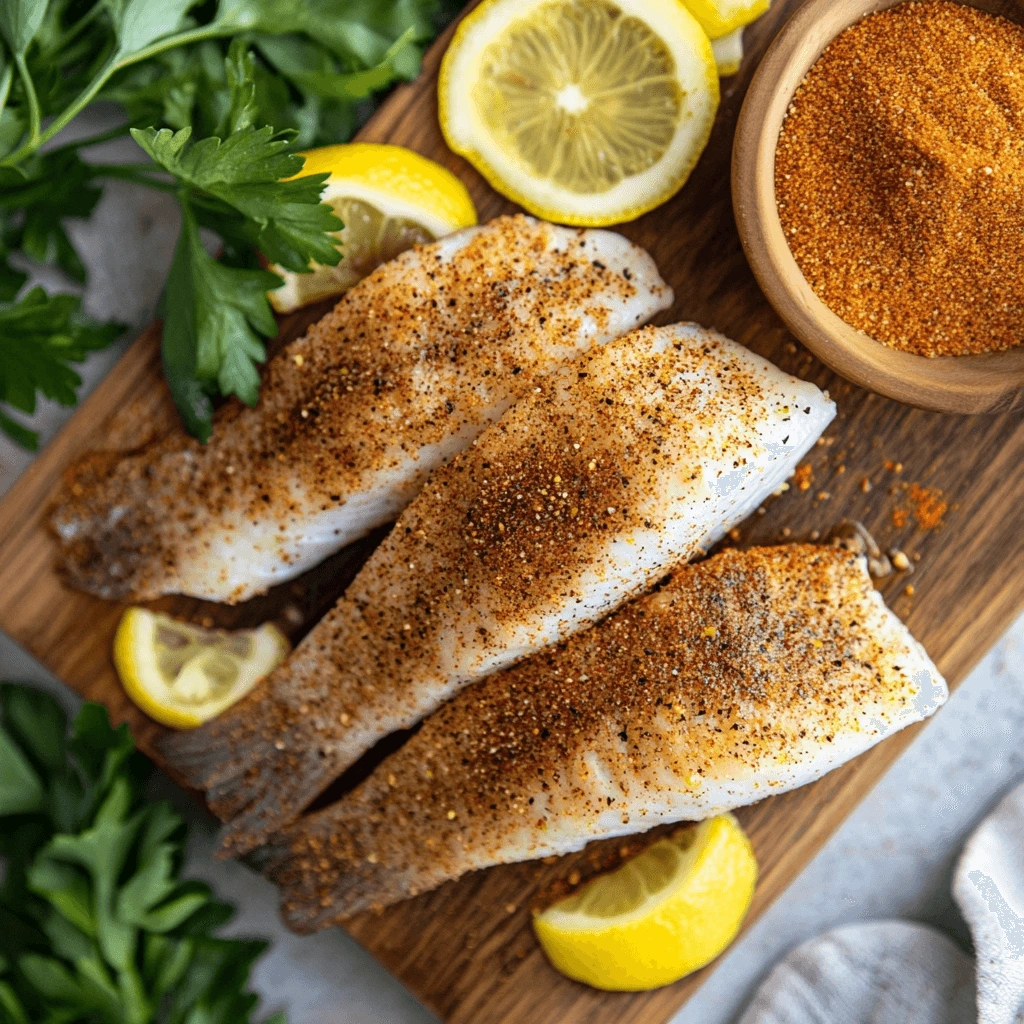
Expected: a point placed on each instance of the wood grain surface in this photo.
(467, 949)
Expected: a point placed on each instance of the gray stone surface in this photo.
(893, 857)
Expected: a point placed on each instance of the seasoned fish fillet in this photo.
(616, 468)
(748, 674)
(408, 368)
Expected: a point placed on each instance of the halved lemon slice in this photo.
(662, 915)
(389, 199)
(586, 112)
(720, 17)
(183, 675)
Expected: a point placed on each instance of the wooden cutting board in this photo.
(467, 949)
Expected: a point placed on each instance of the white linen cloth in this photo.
(988, 886)
(881, 972)
(898, 972)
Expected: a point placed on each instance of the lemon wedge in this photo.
(183, 675)
(720, 17)
(389, 199)
(662, 915)
(586, 112)
(728, 52)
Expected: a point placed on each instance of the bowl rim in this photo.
(992, 382)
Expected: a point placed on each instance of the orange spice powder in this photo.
(928, 505)
(900, 178)
(803, 476)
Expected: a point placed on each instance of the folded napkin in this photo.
(882, 972)
(896, 972)
(988, 886)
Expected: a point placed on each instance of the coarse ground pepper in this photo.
(899, 178)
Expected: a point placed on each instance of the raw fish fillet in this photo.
(748, 674)
(410, 366)
(618, 467)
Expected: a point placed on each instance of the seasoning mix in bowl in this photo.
(878, 182)
(899, 177)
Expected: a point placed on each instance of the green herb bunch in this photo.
(221, 95)
(96, 925)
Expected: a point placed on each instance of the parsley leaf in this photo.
(189, 86)
(214, 315)
(49, 188)
(96, 923)
(240, 73)
(39, 337)
(19, 22)
(244, 173)
(137, 23)
(360, 32)
(224, 122)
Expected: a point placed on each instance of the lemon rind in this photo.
(389, 205)
(715, 25)
(428, 188)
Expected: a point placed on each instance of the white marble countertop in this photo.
(892, 857)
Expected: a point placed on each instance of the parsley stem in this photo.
(192, 35)
(87, 95)
(33, 100)
(84, 98)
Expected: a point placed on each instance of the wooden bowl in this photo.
(963, 384)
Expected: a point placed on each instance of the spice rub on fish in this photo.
(409, 367)
(748, 674)
(636, 458)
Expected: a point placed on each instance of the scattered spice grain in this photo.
(928, 505)
(803, 476)
(900, 178)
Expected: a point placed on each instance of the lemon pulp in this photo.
(181, 674)
(583, 111)
(584, 94)
(662, 915)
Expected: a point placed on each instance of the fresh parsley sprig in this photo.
(96, 924)
(220, 94)
(39, 337)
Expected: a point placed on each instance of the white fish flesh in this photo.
(411, 365)
(617, 468)
(748, 674)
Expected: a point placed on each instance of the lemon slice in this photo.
(183, 675)
(389, 199)
(720, 17)
(728, 52)
(662, 915)
(587, 112)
